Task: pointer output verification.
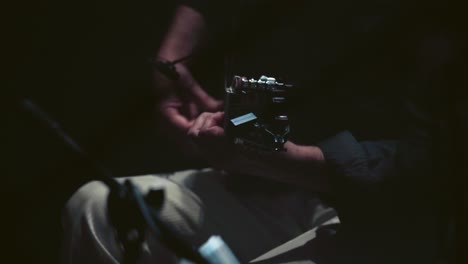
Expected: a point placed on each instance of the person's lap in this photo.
(251, 215)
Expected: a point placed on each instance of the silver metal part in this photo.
(256, 113)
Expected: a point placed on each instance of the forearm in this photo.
(300, 165)
(185, 35)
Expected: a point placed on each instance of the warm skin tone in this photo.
(189, 113)
(183, 100)
(180, 102)
(299, 165)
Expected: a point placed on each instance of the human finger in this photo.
(197, 125)
(213, 120)
(176, 119)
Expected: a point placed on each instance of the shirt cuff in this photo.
(345, 156)
(349, 175)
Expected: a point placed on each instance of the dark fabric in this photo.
(373, 86)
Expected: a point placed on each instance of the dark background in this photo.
(85, 63)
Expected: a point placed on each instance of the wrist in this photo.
(304, 153)
(304, 166)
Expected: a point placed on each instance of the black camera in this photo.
(256, 113)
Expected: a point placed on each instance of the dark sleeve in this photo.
(370, 178)
(353, 165)
(356, 172)
(409, 173)
(386, 194)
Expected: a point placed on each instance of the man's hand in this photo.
(181, 101)
(207, 134)
(299, 165)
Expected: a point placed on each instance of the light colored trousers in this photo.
(253, 216)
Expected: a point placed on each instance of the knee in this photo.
(89, 234)
(90, 197)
